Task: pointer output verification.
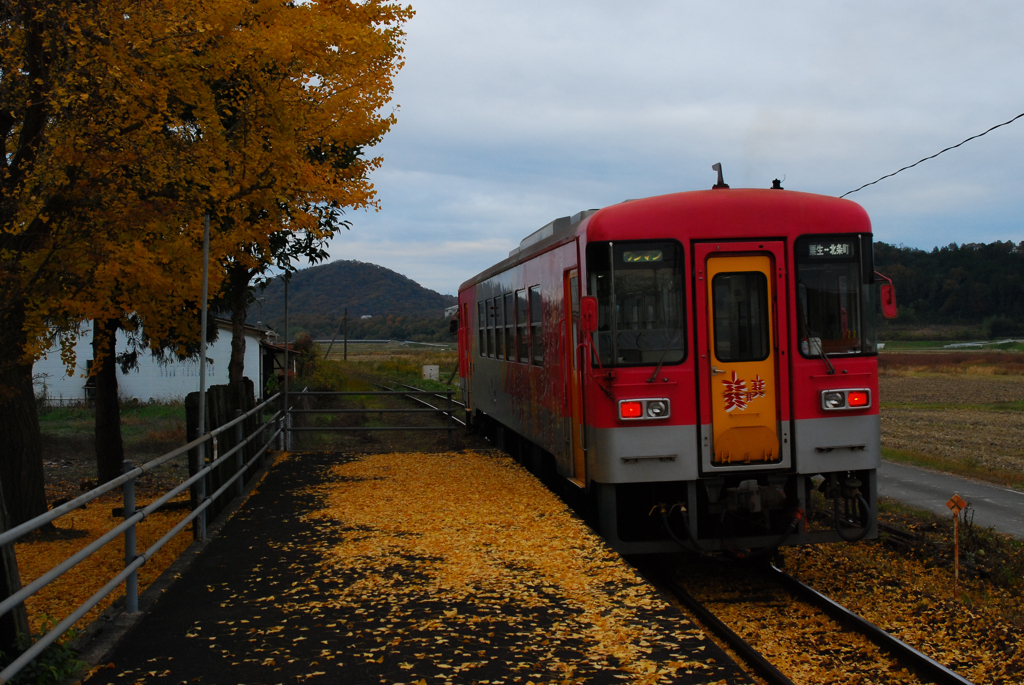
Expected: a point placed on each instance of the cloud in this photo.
(513, 114)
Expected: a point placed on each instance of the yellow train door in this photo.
(744, 381)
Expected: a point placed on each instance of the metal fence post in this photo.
(131, 583)
(451, 424)
(259, 425)
(201, 495)
(279, 425)
(287, 429)
(239, 437)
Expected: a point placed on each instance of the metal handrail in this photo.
(132, 560)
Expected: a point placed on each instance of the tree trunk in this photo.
(21, 448)
(14, 622)
(109, 447)
(239, 283)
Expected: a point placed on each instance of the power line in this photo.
(951, 147)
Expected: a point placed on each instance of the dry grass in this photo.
(976, 363)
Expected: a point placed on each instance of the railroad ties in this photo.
(812, 637)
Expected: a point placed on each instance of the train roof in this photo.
(703, 214)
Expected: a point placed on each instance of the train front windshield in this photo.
(639, 289)
(836, 304)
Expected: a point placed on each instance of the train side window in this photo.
(510, 327)
(499, 329)
(522, 327)
(481, 324)
(490, 327)
(536, 326)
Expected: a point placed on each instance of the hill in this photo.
(319, 295)
(972, 284)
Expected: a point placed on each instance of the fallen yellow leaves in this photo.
(77, 529)
(476, 536)
(980, 636)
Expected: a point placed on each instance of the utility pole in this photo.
(344, 325)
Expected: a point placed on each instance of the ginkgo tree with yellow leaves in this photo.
(124, 122)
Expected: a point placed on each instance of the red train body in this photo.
(697, 363)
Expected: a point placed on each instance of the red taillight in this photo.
(631, 410)
(857, 398)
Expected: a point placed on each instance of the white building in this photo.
(153, 380)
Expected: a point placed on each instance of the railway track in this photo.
(777, 593)
(422, 401)
(909, 665)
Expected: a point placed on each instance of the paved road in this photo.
(994, 506)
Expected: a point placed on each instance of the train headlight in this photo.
(644, 409)
(657, 409)
(833, 400)
(846, 399)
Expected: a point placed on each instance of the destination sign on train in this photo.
(836, 248)
(641, 256)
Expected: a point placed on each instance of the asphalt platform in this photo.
(409, 569)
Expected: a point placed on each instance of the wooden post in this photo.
(956, 552)
(344, 325)
(956, 504)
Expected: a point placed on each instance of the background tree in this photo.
(116, 141)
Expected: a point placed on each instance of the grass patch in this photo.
(968, 468)
(145, 427)
(899, 345)
(980, 362)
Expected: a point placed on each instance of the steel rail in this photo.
(363, 411)
(352, 393)
(922, 664)
(435, 393)
(359, 429)
(443, 412)
(753, 658)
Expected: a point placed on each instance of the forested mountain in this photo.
(958, 284)
(319, 295)
(974, 285)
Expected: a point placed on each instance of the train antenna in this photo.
(717, 166)
(911, 166)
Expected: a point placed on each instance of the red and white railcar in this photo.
(698, 363)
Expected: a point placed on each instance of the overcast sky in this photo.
(511, 114)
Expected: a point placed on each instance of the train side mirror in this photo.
(588, 314)
(888, 293)
(453, 325)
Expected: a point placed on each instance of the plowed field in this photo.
(956, 417)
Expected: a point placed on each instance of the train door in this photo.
(741, 315)
(572, 364)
